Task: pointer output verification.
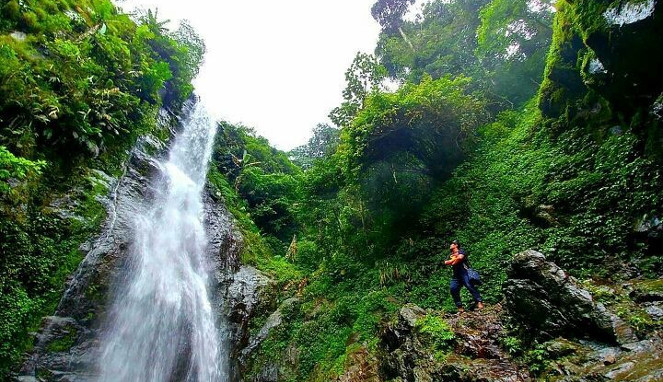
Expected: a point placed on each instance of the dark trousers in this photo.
(457, 283)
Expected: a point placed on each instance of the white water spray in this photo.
(161, 326)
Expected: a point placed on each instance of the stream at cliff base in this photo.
(161, 326)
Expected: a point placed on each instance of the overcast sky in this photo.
(277, 66)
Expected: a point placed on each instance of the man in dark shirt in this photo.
(458, 261)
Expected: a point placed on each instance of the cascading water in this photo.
(161, 326)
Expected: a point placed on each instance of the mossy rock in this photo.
(647, 291)
(45, 375)
(563, 81)
(561, 347)
(642, 367)
(65, 342)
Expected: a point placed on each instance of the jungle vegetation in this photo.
(483, 142)
(498, 136)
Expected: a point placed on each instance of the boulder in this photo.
(403, 354)
(547, 300)
(655, 310)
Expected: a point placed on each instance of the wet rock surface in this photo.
(276, 368)
(67, 348)
(647, 291)
(654, 310)
(477, 353)
(273, 321)
(590, 361)
(248, 294)
(600, 345)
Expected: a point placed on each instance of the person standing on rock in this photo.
(458, 261)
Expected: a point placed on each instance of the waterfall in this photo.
(161, 325)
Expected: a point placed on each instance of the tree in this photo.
(389, 14)
(322, 144)
(363, 77)
(151, 19)
(513, 41)
(442, 42)
(500, 44)
(402, 143)
(514, 29)
(187, 36)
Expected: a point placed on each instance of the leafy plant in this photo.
(440, 334)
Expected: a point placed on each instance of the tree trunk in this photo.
(400, 30)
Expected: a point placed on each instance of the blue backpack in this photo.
(475, 278)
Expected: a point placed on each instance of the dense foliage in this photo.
(79, 82)
(263, 176)
(323, 143)
(478, 144)
(505, 133)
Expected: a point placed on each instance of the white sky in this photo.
(277, 66)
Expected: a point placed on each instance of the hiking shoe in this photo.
(479, 305)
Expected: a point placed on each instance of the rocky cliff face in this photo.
(585, 331)
(248, 295)
(473, 354)
(619, 63)
(550, 327)
(550, 302)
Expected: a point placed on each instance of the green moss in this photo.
(642, 368)
(619, 299)
(11, 11)
(649, 286)
(635, 317)
(44, 374)
(95, 293)
(64, 342)
(601, 293)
